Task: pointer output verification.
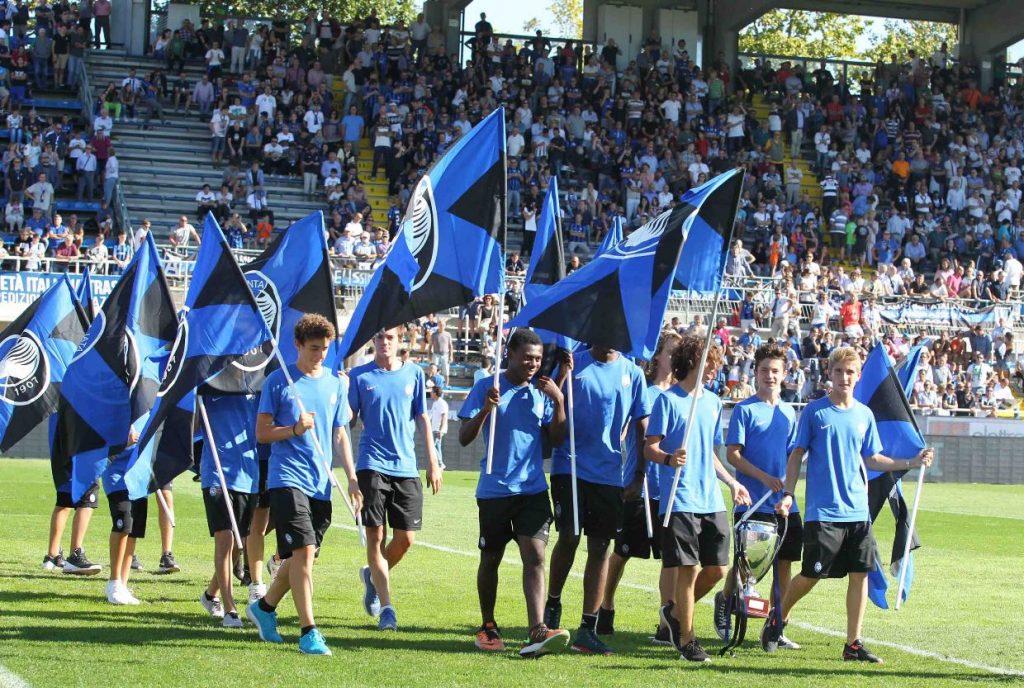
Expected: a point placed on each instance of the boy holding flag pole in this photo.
(299, 479)
(839, 437)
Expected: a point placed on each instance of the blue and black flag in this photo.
(113, 378)
(449, 249)
(547, 267)
(291, 278)
(880, 390)
(84, 294)
(35, 351)
(618, 300)
(612, 238)
(220, 324)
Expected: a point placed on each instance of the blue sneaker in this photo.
(313, 643)
(265, 622)
(371, 602)
(388, 621)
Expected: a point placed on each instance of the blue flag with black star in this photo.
(449, 247)
(35, 351)
(291, 278)
(220, 324)
(618, 300)
(881, 390)
(113, 378)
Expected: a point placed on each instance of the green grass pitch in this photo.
(961, 626)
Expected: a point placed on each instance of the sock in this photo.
(554, 600)
(265, 607)
(387, 606)
(307, 629)
(207, 596)
(589, 621)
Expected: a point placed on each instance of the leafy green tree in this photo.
(342, 10)
(568, 17)
(803, 34)
(531, 25)
(899, 36)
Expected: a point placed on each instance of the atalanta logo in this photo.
(643, 241)
(421, 229)
(268, 300)
(95, 333)
(176, 360)
(129, 352)
(24, 369)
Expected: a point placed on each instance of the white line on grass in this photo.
(910, 650)
(9, 679)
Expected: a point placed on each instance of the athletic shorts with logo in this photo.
(600, 507)
(387, 500)
(691, 539)
(832, 550)
(89, 500)
(793, 537)
(243, 505)
(127, 516)
(503, 519)
(301, 520)
(632, 539)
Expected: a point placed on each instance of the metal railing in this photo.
(14, 263)
(852, 71)
(520, 39)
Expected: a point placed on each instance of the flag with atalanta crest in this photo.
(35, 351)
(291, 278)
(220, 324)
(618, 300)
(113, 378)
(449, 247)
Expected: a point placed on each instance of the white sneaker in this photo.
(113, 592)
(212, 606)
(129, 596)
(256, 591)
(273, 564)
(232, 620)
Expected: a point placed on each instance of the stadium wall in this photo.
(968, 450)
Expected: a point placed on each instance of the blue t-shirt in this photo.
(766, 434)
(606, 397)
(698, 491)
(518, 463)
(633, 450)
(233, 422)
(837, 440)
(388, 402)
(294, 462)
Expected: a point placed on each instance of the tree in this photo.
(899, 36)
(568, 17)
(531, 25)
(295, 10)
(803, 34)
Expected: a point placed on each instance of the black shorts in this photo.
(128, 516)
(168, 486)
(632, 539)
(693, 539)
(263, 500)
(217, 519)
(301, 520)
(832, 550)
(89, 500)
(793, 542)
(503, 519)
(387, 500)
(600, 507)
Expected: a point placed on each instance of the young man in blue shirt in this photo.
(389, 395)
(513, 498)
(839, 437)
(761, 433)
(298, 478)
(698, 531)
(234, 417)
(609, 393)
(632, 540)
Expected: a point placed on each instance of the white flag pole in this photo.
(316, 444)
(220, 471)
(910, 533)
(647, 508)
(572, 460)
(493, 424)
(164, 507)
